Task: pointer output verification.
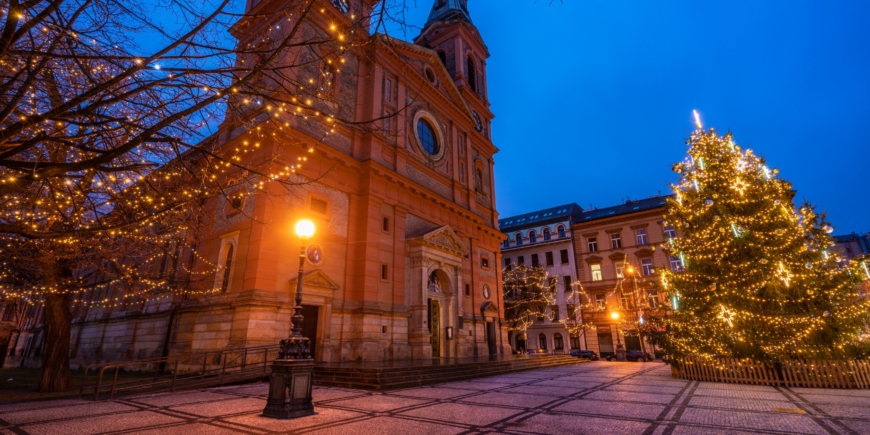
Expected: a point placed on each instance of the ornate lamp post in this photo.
(292, 372)
(620, 351)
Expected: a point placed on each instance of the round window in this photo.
(428, 139)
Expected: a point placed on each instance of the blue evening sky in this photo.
(593, 98)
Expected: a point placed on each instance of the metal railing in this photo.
(197, 370)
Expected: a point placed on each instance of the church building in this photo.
(404, 262)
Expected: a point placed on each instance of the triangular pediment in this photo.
(443, 238)
(488, 307)
(316, 278)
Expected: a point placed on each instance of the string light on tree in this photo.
(756, 257)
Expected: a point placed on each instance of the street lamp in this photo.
(292, 373)
(620, 351)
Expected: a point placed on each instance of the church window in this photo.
(388, 90)
(388, 117)
(318, 205)
(9, 313)
(472, 74)
(478, 180)
(228, 267)
(461, 172)
(426, 134)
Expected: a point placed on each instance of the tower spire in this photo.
(443, 10)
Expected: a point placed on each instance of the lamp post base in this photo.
(290, 389)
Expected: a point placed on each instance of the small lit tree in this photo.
(577, 300)
(528, 291)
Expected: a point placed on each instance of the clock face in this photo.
(479, 126)
(341, 5)
(486, 291)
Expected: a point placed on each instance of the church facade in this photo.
(405, 260)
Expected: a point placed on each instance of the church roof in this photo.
(443, 10)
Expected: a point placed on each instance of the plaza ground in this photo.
(594, 398)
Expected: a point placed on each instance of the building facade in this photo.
(618, 249)
(851, 246)
(545, 238)
(406, 251)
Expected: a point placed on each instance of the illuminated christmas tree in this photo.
(758, 278)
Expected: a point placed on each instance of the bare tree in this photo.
(113, 121)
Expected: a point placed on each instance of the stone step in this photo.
(389, 378)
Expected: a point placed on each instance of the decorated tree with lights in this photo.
(758, 278)
(577, 299)
(113, 128)
(528, 291)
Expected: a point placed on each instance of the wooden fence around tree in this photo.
(812, 373)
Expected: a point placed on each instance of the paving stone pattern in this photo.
(594, 398)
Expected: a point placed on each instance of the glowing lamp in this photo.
(305, 228)
(614, 315)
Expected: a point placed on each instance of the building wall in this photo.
(631, 253)
(511, 253)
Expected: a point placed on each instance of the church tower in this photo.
(450, 32)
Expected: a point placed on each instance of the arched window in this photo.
(426, 134)
(472, 73)
(507, 243)
(519, 238)
(532, 236)
(546, 234)
(561, 231)
(228, 267)
(557, 342)
(542, 341)
(443, 57)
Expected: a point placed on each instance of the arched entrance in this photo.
(432, 293)
(437, 286)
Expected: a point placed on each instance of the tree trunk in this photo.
(57, 320)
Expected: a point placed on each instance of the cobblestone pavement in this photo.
(594, 398)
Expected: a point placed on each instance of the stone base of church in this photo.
(245, 319)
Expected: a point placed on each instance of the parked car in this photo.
(633, 355)
(587, 354)
(636, 355)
